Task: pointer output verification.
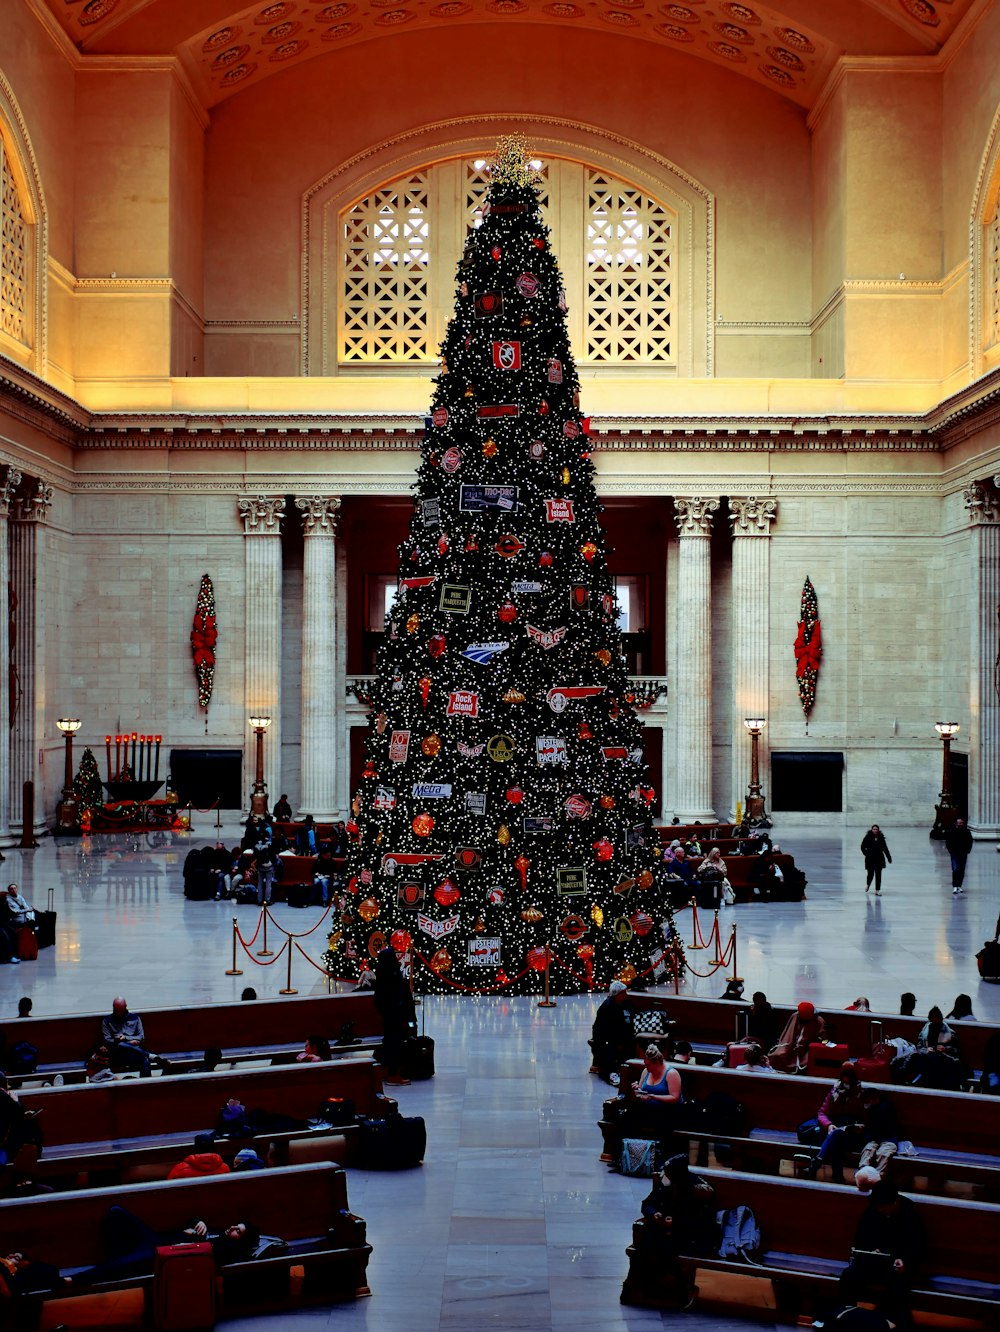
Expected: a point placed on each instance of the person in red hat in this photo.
(804, 1026)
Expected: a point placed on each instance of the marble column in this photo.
(320, 699)
(28, 723)
(262, 515)
(9, 484)
(691, 677)
(751, 520)
(983, 505)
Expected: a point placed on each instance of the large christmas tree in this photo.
(503, 814)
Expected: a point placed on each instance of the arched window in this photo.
(16, 254)
(398, 247)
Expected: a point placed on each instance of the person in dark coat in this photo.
(679, 1218)
(876, 854)
(399, 1020)
(958, 841)
(889, 1225)
(612, 1039)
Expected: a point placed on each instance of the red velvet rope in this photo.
(255, 933)
(254, 958)
(198, 809)
(305, 933)
(292, 938)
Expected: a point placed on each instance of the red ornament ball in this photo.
(436, 645)
(515, 795)
(446, 894)
(423, 824)
(539, 958)
(538, 243)
(399, 941)
(603, 849)
(496, 252)
(545, 559)
(642, 923)
(507, 612)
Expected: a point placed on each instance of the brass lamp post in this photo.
(756, 813)
(67, 811)
(258, 796)
(945, 812)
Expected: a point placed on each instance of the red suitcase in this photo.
(737, 1055)
(27, 944)
(184, 1287)
(825, 1059)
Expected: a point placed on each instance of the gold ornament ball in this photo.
(503, 835)
(431, 745)
(627, 974)
(490, 448)
(597, 915)
(368, 909)
(412, 624)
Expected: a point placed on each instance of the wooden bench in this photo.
(956, 1135)
(93, 1127)
(718, 1021)
(808, 1230)
(326, 1259)
(684, 832)
(251, 1030)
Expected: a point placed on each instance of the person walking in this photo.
(876, 854)
(958, 841)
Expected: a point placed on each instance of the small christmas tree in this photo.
(204, 636)
(503, 817)
(87, 783)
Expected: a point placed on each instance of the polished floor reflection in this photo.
(512, 1222)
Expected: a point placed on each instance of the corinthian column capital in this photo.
(982, 503)
(31, 508)
(693, 515)
(262, 514)
(10, 483)
(320, 514)
(752, 516)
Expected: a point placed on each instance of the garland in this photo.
(204, 635)
(808, 647)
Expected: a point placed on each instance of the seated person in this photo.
(860, 1005)
(841, 1119)
(755, 1061)
(683, 1054)
(131, 1246)
(888, 1244)
(18, 1127)
(680, 1220)
(305, 838)
(762, 1025)
(612, 1040)
(122, 1033)
(930, 1033)
(766, 875)
(282, 810)
(712, 878)
(791, 1054)
(990, 1080)
(654, 1099)
(317, 1049)
(962, 1010)
(325, 872)
(681, 876)
(202, 1163)
(17, 912)
(98, 1065)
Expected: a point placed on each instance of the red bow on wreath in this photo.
(204, 636)
(808, 652)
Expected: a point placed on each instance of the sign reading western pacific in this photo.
(484, 952)
(437, 929)
(463, 703)
(507, 355)
(477, 499)
(551, 749)
(560, 697)
(481, 653)
(546, 638)
(431, 790)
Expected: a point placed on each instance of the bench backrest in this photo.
(714, 1020)
(961, 1238)
(147, 1107)
(295, 1202)
(70, 1038)
(946, 1121)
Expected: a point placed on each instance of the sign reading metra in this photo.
(385, 798)
(507, 355)
(431, 790)
(455, 598)
(484, 953)
(546, 638)
(476, 499)
(525, 587)
(571, 881)
(399, 746)
(437, 929)
(551, 749)
(462, 703)
(481, 653)
(559, 511)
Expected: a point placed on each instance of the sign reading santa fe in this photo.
(462, 703)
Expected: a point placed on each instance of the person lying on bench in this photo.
(131, 1246)
(888, 1244)
(21, 1275)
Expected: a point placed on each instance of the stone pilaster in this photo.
(8, 486)
(28, 618)
(691, 676)
(321, 702)
(262, 515)
(751, 520)
(983, 505)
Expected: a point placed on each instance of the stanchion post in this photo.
(694, 925)
(190, 824)
(677, 969)
(288, 980)
(218, 814)
(545, 1001)
(735, 975)
(719, 958)
(234, 969)
(265, 951)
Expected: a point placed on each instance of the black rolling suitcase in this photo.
(988, 958)
(418, 1059)
(391, 1144)
(45, 929)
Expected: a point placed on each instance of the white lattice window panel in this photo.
(385, 257)
(628, 293)
(993, 281)
(15, 258)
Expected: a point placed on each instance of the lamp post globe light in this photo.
(946, 811)
(258, 797)
(67, 811)
(755, 812)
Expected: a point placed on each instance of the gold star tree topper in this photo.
(511, 164)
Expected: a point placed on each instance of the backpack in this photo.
(724, 1115)
(740, 1234)
(22, 1058)
(640, 1157)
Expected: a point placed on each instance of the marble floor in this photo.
(511, 1222)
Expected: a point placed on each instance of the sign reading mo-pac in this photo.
(477, 499)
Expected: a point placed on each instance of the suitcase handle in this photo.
(876, 1032)
(50, 901)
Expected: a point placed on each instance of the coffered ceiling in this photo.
(790, 45)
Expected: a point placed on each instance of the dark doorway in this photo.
(204, 776)
(809, 782)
